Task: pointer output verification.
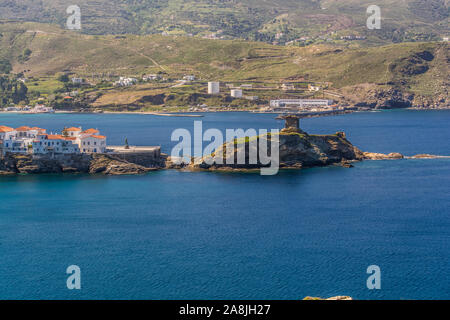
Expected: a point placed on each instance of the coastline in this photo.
(190, 114)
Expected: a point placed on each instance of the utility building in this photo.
(213, 87)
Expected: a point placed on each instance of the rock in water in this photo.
(297, 150)
(381, 156)
(339, 298)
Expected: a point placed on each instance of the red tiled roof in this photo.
(6, 129)
(73, 129)
(23, 128)
(40, 130)
(55, 137)
(91, 131)
(98, 137)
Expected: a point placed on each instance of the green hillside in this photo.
(43, 52)
(407, 20)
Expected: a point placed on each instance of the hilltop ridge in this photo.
(262, 20)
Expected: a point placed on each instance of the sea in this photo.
(202, 235)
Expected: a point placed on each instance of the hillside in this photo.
(275, 20)
(44, 52)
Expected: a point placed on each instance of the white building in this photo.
(287, 87)
(90, 141)
(12, 109)
(236, 93)
(213, 87)
(72, 132)
(54, 143)
(313, 88)
(36, 141)
(125, 82)
(151, 77)
(6, 133)
(189, 78)
(77, 80)
(300, 102)
(40, 108)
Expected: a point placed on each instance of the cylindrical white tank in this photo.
(236, 93)
(213, 87)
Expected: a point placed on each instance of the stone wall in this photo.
(146, 159)
(149, 157)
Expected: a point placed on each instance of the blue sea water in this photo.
(181, 235)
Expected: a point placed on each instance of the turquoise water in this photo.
(179, 235)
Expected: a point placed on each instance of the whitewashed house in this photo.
(125, 82)
(72, 132)
(54, 143)
(6, 133)
(90, 141)
(77, 80)
(151, 77)
(189, 78)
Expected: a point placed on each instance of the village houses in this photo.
(34, 140)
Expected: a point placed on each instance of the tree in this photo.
(63, 78)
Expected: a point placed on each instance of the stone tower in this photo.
(292, 124)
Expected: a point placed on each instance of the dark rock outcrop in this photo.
(73, 163)
(297, 150)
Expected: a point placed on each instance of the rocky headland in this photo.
(297, 150)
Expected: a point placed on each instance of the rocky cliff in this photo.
(76, 163)
(419, 80)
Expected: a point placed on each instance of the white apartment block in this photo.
(300, 102)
